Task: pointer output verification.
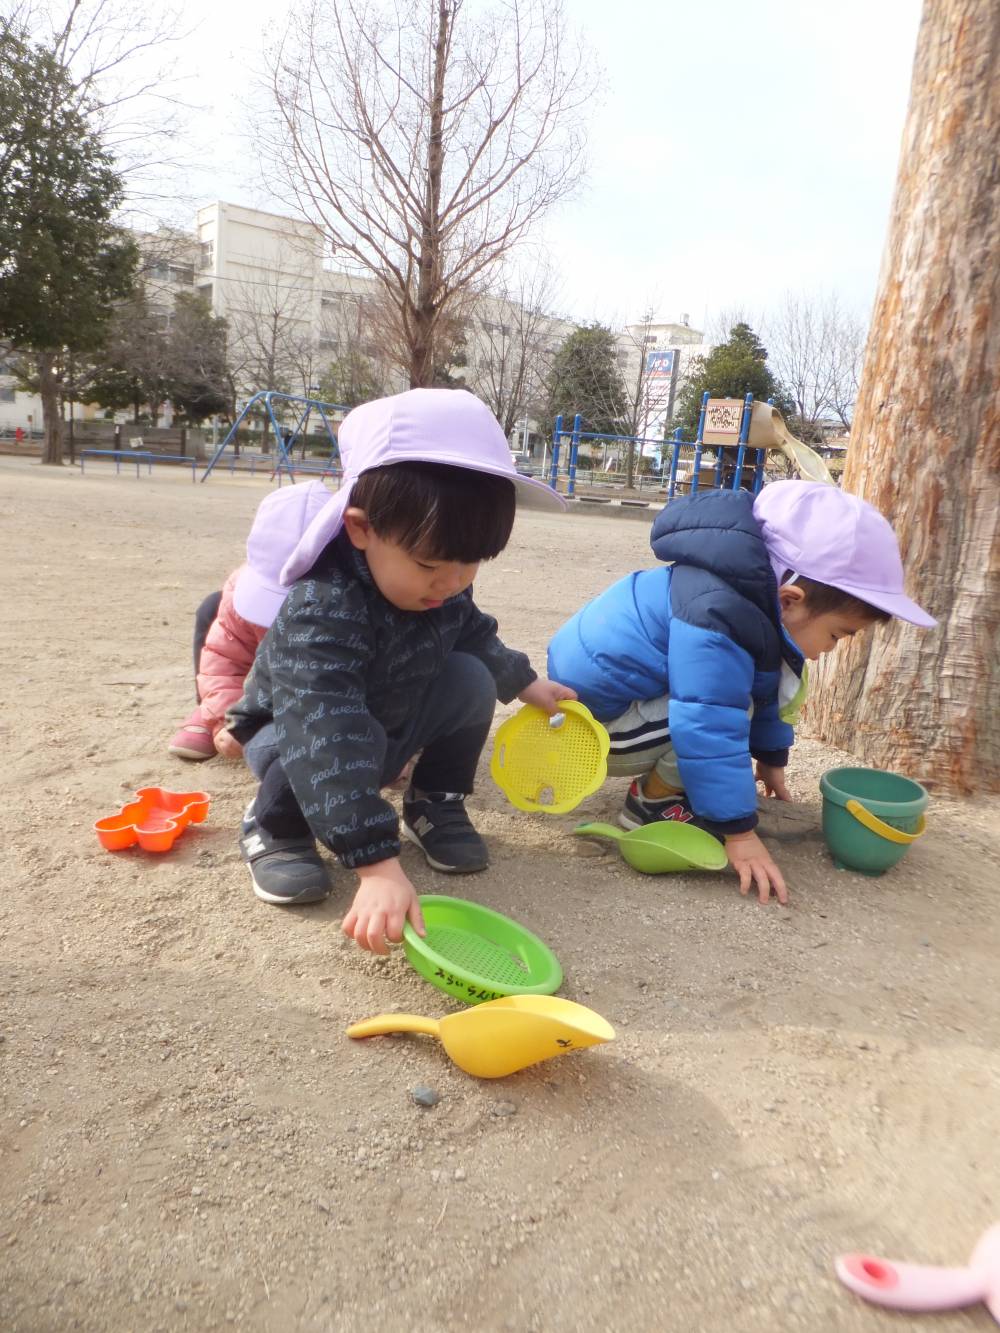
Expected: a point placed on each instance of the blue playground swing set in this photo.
(285, 439)
(732, 430)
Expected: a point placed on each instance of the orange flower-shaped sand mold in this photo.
(154, 820)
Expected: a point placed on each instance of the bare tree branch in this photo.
(427, 143)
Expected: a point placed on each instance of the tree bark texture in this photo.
(425, 316)
(925, 445)
(48, 391)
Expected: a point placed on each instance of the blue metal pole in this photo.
(574, 449)
(675, 459)
(758, 476)
(279, 440)
(556, 437)
(744, 436)
(698, 444)
(230, 434)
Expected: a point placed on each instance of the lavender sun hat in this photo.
(829, 535)
(448, 426)
(278, 525)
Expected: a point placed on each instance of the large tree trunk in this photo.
(422, 350)
(48, 391)
(925, 446)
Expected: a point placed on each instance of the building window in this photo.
(205, 290)
(648, 341)
(159, 270)
(6, 393)
(182, 273)
(206, 254)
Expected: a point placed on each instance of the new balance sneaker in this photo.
(284, 871)
(640, 810)
(193, 740)
(436, 821)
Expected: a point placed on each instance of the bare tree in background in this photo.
(126, 82)
(801, 350)
(428, 141)
(514, 340)
(848, 358)
(815, 349)
(271, 345)
(357, 366)
(643, 386)
(925, 447)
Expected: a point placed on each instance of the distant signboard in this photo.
(722, 420)
(661, 375)
(660, 365)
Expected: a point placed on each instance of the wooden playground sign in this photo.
(722, 420)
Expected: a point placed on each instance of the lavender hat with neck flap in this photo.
(826, 534)
(448, 426)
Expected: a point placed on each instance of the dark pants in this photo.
(203, 618)
(449, 724)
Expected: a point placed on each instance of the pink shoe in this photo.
(194, 740)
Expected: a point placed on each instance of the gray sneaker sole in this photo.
(279, 900)
(410, 836)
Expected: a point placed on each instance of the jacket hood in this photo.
(717, 532)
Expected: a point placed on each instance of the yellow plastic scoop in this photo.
(501, 1036)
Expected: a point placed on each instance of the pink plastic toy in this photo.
(914, 1287)
(154, 820)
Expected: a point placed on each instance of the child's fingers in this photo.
(374, 935)
(394, 925)
(762, 882)
(416, 917)
(746, 878)
(349, 922)
(778, 882)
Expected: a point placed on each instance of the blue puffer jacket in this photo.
(707, 632)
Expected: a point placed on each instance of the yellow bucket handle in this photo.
(870, 821)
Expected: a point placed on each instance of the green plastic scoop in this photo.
(657, 849)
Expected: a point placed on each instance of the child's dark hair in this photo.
(440, 512)
(822, 597)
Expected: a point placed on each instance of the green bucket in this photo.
(871, 818)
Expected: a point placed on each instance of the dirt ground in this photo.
(189, 1141)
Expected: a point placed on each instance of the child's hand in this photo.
(546, 694)
(383, 902)
(227, 745)
(774, 781)
(753, 863)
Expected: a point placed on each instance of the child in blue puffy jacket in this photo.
(697, 668)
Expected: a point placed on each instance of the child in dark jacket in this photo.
(378, 654)
(698, 669)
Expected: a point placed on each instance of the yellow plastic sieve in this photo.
(550, 764)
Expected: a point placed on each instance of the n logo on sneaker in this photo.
(423, 826)
(253, 844)
(677, 813)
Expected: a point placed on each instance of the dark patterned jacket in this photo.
(338, 655)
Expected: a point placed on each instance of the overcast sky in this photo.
(740, 149)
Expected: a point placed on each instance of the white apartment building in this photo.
(291, 313)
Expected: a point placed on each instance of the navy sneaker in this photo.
(640, 810)
(436, 821)
(284, 871)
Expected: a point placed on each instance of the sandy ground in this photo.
(189, 1142)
